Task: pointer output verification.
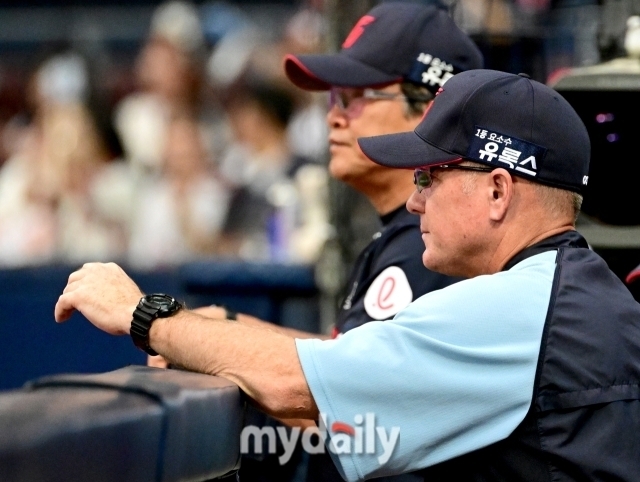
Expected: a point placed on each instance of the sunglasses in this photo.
(423, 178)
(352, 101)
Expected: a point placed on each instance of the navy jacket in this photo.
(584, 421)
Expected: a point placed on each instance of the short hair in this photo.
(275, 101)
(558, 202)
(418, 97)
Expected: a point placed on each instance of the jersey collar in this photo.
(571, 239)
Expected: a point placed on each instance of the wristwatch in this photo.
(148, 310)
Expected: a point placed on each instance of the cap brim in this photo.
(405, 150)
(633, 276)
(321, 72)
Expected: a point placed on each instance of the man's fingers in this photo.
(71, 286)
(157, 361)
(103, 293)
(77, 275)
(85, 270)
(64, 308)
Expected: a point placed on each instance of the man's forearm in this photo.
(218, 313)
(263, 363)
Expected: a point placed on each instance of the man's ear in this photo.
(500, 192)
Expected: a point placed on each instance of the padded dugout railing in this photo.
(135, 424)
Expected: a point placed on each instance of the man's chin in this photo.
(426, 260)
(339, 170)
(439, 266)
(351, 172)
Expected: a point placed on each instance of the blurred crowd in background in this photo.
(207, 151)
(193, 144)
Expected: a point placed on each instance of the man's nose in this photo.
(336, 117)
(415, 203)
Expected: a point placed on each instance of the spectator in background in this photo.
(268, 218)
(277, 134)
(307, 130)
(495, 17)
(46, 210)
(177, 214)
(170, 76)
(170, 198)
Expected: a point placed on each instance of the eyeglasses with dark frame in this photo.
(423, 178)
(351, 101)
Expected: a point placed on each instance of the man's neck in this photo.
(511, 245)
(389, 196)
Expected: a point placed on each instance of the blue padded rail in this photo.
(131, 425)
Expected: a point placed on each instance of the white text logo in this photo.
(363, 437)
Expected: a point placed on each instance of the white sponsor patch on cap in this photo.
(388, 294)
(516, 154)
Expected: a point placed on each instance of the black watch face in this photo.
(165, 304)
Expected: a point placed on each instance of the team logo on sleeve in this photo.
(388, 294)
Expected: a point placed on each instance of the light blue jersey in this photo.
(451, 373)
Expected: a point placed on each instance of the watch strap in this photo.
(143, 317)
(228, 314)
(150, 307)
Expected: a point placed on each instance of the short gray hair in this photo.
(418, 97)
(558, 202)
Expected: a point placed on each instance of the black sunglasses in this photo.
(423, 179)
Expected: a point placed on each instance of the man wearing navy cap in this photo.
(391, 65)
(388, 71)
(527, 371)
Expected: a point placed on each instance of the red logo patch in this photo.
(357, 30)
(341, 427)
(386, 290)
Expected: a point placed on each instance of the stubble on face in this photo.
(452, 224)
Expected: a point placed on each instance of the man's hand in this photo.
(157, 361)
(104, 294)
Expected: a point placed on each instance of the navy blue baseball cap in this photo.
(498, 119)
(394, 42)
